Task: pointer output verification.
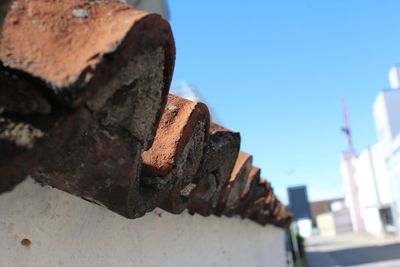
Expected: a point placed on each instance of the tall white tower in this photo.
(394, 77)
(387, 123)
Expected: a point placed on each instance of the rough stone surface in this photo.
(176, 154)
(230, 196)
(219, 159)
(262, 190)
(74, 55)
(99, 164)
(70, 59)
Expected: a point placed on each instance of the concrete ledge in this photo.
(42, 226)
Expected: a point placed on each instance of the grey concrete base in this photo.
(42, 226)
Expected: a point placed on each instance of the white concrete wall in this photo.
(381, 175)
(365, 177)
(372, 178)
(348, 171)
(70, 232)
(372, 222)
(373, 188)
(386, 114)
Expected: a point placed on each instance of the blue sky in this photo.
(276, 71)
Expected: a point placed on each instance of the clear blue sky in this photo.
(276, 72)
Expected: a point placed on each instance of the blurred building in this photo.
(331, 216)
(152, 6)
(367, 187)
(298, 202)
(350, 186)
(387, 121)
(321, 207)
(374, 191)
(336, 221)
(372, 179)
(300, 206)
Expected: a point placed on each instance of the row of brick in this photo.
(84, 108)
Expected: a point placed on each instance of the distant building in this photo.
(374, 191)
(367, 188)
(331, 217)
(298, 202)
(394, 77)
(387, 122)
(322, 207)
(300, 206)
(372, 179)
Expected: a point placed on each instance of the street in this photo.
(353, 249)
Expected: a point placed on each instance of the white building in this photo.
(374, 191)
(368, 194)
(348, 171)
(387, 121)
(372, 179)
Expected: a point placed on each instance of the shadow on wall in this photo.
(354, 256)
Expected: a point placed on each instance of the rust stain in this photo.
(26, 242)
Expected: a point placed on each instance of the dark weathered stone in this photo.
(230, 196)
(99, 164)
(76, 154)
(254, 206)
(266, 209)
(250, 191)
(275, 213)
(119, 72)
(171, 164)
(219, 159)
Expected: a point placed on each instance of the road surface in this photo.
(353, 250)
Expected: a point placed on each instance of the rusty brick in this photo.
(276, 213)
(219, 159)
(269, 210)
(99, 164)
(252, 180)
(171, 164)
(116, 54)
(249, 192)
(230, 196)
(78, 155)
(122, 75)
(257, 203)
(267, 206)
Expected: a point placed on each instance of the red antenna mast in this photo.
(346, 128)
